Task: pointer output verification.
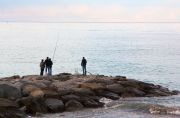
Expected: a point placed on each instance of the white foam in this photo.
(105, 100)
(175, 112)
(164, 110)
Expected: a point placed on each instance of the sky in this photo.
(90, 10)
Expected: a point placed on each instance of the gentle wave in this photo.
(139, 106)
(156, 109)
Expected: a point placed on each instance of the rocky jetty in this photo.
(33, 94)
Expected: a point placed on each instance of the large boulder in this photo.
(91, 103)
(157, 93)
(34, 91)
(35, 105)
(32, 77)
(37, 93)
(146, 86)
(10, 92)
(40, 84)
(73, 105)
(83, 92)
(12, 77)
(49, 93)
(120, 78)
(54, 105)
(18, 85)
(24, 101)
(95, 98)
(175, 92)
(9, 109)
(32, 105)
(7, 103)
(116, 88)
(107, 94)
(63, 92)
(103, 81)
(62, 77)
(46, 82)
(28, 88)
(137, 92)
(132, 92)
(129, 83)
(70, 97)
(92, 86)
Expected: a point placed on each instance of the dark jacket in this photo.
(48, 63)
(83, 62)
(42, 64)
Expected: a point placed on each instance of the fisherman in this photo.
(83, 64)
(42, 66)
(46, 65)
(50, 67)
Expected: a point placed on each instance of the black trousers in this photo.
(84, 70)
(42, 71)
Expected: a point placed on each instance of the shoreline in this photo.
(33, 94)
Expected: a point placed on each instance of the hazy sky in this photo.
(91, 10)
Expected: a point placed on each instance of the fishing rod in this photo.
(55, 47)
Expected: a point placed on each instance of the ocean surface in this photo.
(145, 51)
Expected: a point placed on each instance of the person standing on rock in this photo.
(83, 64)
(42, 66)
(46, 65)
(50, 67)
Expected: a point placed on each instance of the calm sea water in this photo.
(144, 51)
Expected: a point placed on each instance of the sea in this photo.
(149, 52)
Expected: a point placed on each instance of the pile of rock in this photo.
(66, 92)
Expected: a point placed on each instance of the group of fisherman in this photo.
(47, 66)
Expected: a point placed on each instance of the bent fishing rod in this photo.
(55, 47)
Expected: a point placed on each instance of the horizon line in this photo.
(4, 21)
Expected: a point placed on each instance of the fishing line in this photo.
(55, 47)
